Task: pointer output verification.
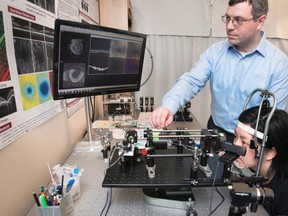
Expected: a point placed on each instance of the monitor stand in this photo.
(88, 145)
(180, 198)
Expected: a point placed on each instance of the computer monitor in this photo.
(95, 60)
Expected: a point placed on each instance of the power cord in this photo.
(152, 67)
(107, 204)
(191, 211)
(214, 179)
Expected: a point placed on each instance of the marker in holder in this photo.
(63, 209)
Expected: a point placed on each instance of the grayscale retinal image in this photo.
(38, 53)
(33, 45)
(23, 56)
(76, 46)
(7, 102)
(73, 75)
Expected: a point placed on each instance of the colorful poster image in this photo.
(35, 89)
(4, 68)
(43, 87)
(29, 93)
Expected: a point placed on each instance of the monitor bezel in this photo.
(96, 91)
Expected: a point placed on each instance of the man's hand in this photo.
(161, 117)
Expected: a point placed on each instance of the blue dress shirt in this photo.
(233, 76)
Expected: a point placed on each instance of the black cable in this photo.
(191, 211)
(108, 201)
(223, 198)
(107, 194)
(109, 191)
(214, 179)
(152, 67)
(110, 198)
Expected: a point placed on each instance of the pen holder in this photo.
(66, 206)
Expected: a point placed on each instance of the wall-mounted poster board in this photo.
(26, 54)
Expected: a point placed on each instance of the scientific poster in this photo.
(26, 61)
(26, 52)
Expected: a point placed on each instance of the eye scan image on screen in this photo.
(114, 56)
(73, 75)
(76, 46)
(93, 60)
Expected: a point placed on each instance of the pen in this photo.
(62, 182)
(59, 197)
(48, 198)
(54, 200)
(43, 201)
(36, 198)
(42, 189)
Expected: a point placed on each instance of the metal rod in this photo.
(265, 94)
(195, 130)
(168, 155)
(88, 118)
(179, 136)
(265, 133)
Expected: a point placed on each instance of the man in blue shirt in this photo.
(235, 67)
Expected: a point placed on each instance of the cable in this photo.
(152, 67)
(107, 204)
(219, 203)
(115, 162)
(191, 211)
(181, 115)
(114, 113)
(214, 179)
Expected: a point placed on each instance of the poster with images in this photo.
(26, 62)
(26, 52)
(79, 10)
(89, 11)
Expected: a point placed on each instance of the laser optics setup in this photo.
(162, 160)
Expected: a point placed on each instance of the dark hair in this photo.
(277, 135)
(259, 7)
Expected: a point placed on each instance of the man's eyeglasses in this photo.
(237, 21)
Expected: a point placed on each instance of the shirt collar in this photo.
(261, 48)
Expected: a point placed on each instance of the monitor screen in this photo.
(94, 60)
